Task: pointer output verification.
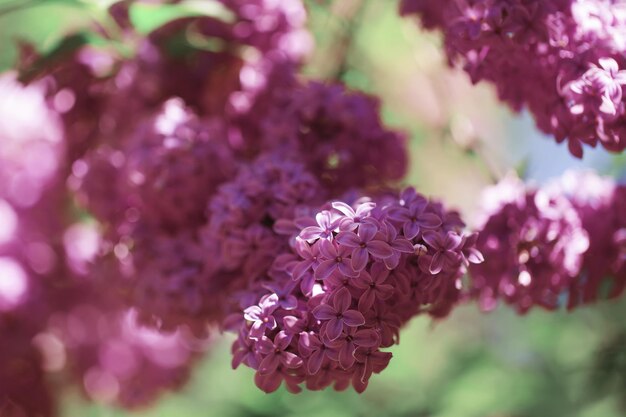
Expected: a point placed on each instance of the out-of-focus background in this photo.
(471, 364)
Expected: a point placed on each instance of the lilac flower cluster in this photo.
(245, 211)
(123, 362)
(562, 60)
(338, 133)
(99, 94)
(322, 122)
(541, 245)
(354, 275)
(600, 204)
(189, 278)
(31, 152)
(154, 192)
(103, 191)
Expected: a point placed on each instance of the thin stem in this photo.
(352, 19)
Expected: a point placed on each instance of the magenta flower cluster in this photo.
(354, 274)
(559, 244)
(562, 60)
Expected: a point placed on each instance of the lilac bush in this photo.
(195, 181)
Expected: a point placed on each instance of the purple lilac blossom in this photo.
(123, 363)
(351, 310)
(167, 167)
(533, 243)
(600, 203)
(543, 244)
(339, 134)
(32, 148)
(562, 60)
(99, 93)
(137, 160)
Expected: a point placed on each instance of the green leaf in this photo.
(46, 62)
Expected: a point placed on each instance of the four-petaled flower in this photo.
(343, 347)
(364, 244)
(244, 351)
(414, 218)
(471, 255)
(399, 244)
(309, 254)
(336, 258)
(600, 88)
(374, 285)
(339, 315)
(445, 247)
(276, 354)
(353, 218)
(311, 347)
(261, 316)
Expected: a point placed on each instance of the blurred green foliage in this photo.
(469, 365)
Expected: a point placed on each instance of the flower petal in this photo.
(360, 257)
(257, 330)
(289, 303)
(282, 340)
(429, 221)
(365, 208)
(342, 300)
(452, 241)
(269, 364)
(325, 269)
(346, 357)
(252, 313)
(410, 229)
(353, 318)
(392, 262)
(264, 346)
(268, 382)
(324, 312)
(343, 208)
(366, 338)
(367, 300)
(345, 267)
(310, 233)
(433, 239)
(334, 327)
(436, 264)
(290, 360)
(348, 239)
(402, 245)
(327, 249)
(238, 358)
(300, 269)
(315, 362)
(367, 231)
(379, 249)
